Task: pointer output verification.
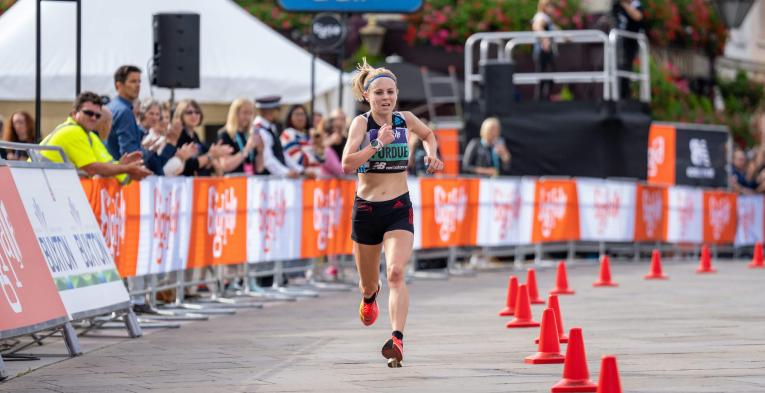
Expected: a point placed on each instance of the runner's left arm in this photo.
(429, 142)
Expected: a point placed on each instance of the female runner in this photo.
(382, 213)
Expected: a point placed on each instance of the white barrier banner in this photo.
(606, 210)
(274, 219)
(416, 197)
(526, 215)
(499, 212)
(71, 240)
(686, 215)
(165, 224)
(749, 228)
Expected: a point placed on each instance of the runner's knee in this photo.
(395, 276)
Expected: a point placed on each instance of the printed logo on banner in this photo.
(701, 164)
(166, 214)
(327, 211)
(272, 217)
(720, 214)
(652, 209)
(221, 217)
(656, 152)
(113, 217)
(449, 210)
(10, 260)
(685, 212)
(507, 208)
(552, 209)
(607, 206)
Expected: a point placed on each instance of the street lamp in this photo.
(733, 12)
(372, 36)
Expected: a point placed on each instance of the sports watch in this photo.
(376, 144)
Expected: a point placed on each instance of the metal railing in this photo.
(642, 75)
(506, 42)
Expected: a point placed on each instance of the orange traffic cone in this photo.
(576, 377)
(705, 263)
(655, 272)
(552, 302)
(605, 274)
(757, 260)
(512, 293)
(549, 348)
(561, 281)
(522, 310)
(531, 281)
(609, 376)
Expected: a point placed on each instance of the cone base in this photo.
(561, 340)
(545, 358)
(521, 324)
(540, 301)
(507, 312)
(562, 291)
(705, 271)
(656, 277)
(574, 385)
(755, 266)
(605, 284)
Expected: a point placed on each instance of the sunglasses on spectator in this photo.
(90, 113)
(192, 112)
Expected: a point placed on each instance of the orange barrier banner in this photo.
(556, 211)
(719, 217)
(118, 212)
(28, 296)
(327, 213)
(449, 148)
(651, 213)
(661, 154)
(218, 222)
(449, 212)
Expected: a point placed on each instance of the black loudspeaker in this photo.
(498, 92)
(176, 51)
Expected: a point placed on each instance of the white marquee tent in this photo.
(240, 56)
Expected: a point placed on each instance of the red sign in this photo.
(28, 295)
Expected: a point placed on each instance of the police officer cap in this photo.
(269, 102)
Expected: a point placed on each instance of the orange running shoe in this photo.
(368, 312)
(393, 350)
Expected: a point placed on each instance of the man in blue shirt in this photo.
(125, 136)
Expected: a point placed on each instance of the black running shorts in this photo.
(372, 219)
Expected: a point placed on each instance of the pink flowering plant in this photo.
(448, 23)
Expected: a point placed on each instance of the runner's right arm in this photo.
(353, 158)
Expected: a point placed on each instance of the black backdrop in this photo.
(592, 139)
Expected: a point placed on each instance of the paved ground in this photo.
(689, 334)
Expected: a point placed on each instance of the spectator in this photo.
(629, 16)
(126, 135)
(544, 48)
(104, 124)
(740, 176)
(316, 118)
(246, 145)
(273, 152)
(487, 155)
(154, 121)
(336, 129)
(85, 149)
(188, 116)
(294, 138)
(321, 160)
(19, 128)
